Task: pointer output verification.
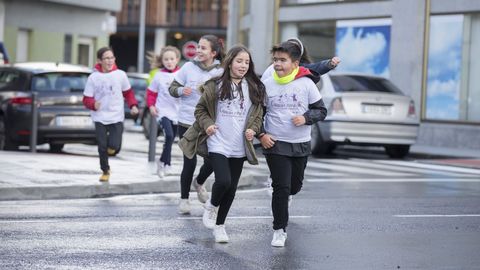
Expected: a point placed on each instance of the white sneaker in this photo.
(202, 193)
(167, 169)
(161, 169)
(184, 207)
(209, 217)
(220, 234)
(279, 237)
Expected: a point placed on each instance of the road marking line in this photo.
(349, 169)
(445, 167)
(427, 216)
(398, 167)
(244, 217)
(366, 180)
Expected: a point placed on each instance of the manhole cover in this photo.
(71, 171)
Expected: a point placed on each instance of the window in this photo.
(85, 51)
(353, 83)
(23, 39)
(9, 80)
(452, 78)
(65, 82)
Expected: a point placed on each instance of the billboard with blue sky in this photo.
(444, 67)
(364, 46)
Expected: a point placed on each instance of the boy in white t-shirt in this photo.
(293, 105)
(104, 92)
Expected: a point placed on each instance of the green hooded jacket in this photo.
(194, 140)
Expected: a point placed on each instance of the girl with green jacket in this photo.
(228, 116)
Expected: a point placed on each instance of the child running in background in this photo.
(228, 115)
(163, 106)
(293, 104)
(188, 79)
(104, 92)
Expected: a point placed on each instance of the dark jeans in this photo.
(189, 166)
(108, 136)
(227, 174)
(170, 131)
(287, 179)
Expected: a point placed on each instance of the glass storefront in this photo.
(453, 90)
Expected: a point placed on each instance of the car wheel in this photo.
(5, 142)
(56, 147)
(397, 151)
(319, 146)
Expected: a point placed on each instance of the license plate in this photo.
(377, 109)
(73, 121)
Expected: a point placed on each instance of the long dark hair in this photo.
(217, 46)
(305, 58)
(256, 89)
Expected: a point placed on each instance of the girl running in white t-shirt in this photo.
(163, 106)
(206, 65)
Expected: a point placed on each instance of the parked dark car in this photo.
(139, 84)
(62, 118)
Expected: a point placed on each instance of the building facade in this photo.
(56, 30)
(427, 48)
(167, 22)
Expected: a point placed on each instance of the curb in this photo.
(99, 190)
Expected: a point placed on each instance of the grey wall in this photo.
(47, 15)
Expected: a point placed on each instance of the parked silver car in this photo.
(365, 110)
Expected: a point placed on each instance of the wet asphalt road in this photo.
(334, 225)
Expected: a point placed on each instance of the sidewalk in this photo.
(75, 173)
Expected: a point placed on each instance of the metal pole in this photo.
(34, 128)
(152, 139)
(141, 36)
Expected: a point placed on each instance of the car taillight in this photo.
(21, 100)
(337, 107)
(411, 109)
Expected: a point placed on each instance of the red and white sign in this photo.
(189, 50)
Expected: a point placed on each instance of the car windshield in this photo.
(138, 84)
(9, 80)
(59, 82)
(358, 83)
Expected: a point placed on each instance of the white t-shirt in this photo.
(167, 106)
(190, 75)
(229, 139)
(107, 88)
(268, 73)
(286, 101)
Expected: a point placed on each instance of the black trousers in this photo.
(227, 174)
(188, 170)
(108, 136)
(287, 179)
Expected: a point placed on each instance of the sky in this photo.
(364, 46)
(444, 67)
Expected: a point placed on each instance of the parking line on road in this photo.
(428, 216)
(244, 217)
(394, 180)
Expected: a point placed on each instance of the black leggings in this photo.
(188, 170)
(287, 179)
(108, 136)
(227, 174)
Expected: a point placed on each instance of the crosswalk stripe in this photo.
(430, 166)
(352, 169)
(393, 167)
(393, 180)
(243, 217)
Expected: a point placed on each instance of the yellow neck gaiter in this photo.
(286, 79)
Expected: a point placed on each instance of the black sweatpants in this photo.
(188, 170)
(227, 174)
(287, 179)
(108, 136)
